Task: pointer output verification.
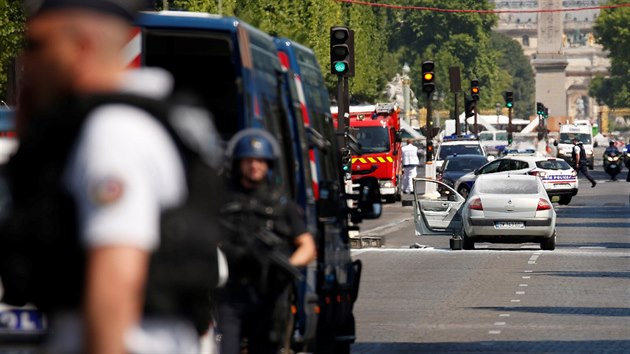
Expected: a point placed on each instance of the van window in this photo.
(201, 63)
(567, 138)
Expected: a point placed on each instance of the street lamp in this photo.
(406, 92)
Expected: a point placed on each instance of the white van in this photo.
(494, 141)
(584, 132)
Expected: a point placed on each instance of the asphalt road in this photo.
(502, 298)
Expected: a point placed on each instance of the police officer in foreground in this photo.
(99, 189)
(580, 162)
(255, 306)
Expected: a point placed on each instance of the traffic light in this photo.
(341, 51)
(429, 151)
(469, 106)
(540, 109)
(474, 89)
(510, 138)
(428, 76)
(509, 99)
(346, 160)
(546, 113)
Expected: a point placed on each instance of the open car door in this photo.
(436, 208)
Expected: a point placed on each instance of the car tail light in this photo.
(538, 173)
(475, 204)
(543, 205)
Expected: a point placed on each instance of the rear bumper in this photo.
(535, 228)
(388, 191)
(562, 192)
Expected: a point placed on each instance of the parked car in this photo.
(500, 209)
(456, 166)
(459, 146)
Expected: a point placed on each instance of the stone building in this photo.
(563, 52)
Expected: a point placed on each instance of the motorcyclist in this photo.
(612, 150)
(255, 303)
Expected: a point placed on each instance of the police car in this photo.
(459, 145)
(558, 177)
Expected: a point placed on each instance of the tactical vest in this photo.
(582, 155)
(41, 257)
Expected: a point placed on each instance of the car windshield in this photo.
(485, 136)
(502, 136)
(449, 150)
(463, 164)
(553, 165)
(373, 139)
(507, 186)
(567, 138)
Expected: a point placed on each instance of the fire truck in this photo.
(377, 128)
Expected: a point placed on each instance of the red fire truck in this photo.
(377, 128)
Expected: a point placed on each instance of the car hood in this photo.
(454, 175)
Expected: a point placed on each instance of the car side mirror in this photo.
(398, 136)
(477, 171)
(595, 144)
(368, 199)
(555, 143)
(439, 169)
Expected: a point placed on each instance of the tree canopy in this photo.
(611, 31)
(385, 39)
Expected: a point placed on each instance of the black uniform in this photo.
(583, 164)
(255, 303)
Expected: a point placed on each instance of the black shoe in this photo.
(593, 184)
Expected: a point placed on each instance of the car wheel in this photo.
(463, 191)
(549, 244)
(467, 243)
(565, 200)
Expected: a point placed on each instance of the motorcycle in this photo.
(612, 163)
(626, 156)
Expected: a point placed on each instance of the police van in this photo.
(238, 73)
(584, 133)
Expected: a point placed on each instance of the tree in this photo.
(514, 61)
(611, 31)
(451, 39)
(11, 34)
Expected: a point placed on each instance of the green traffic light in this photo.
(509, 105)
(340, 67)
(346, 168)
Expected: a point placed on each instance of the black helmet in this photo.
(253, 143)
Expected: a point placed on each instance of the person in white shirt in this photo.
(410, 163)
(120, 168)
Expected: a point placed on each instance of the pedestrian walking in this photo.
(99, 187)
(255, 307)
(580, 162)
(410, 164)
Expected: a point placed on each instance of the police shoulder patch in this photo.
(107, 190)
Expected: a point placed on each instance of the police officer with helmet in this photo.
(100, 187)
(270, 240)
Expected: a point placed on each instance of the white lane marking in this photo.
(522, 285)
(383, 227)
(592, 248)
(526, 277)
(531, 262)
(515, 300)
(494, 332)
(499, 323)
(504, 315)
(528, 271)
(534, 257)
(520, 293)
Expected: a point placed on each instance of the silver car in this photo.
(500, 208)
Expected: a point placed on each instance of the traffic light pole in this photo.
(429, 118)
(458, 129)
(476, 128)
(341, 111)
(510, 120)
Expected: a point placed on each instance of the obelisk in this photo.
(550, 61)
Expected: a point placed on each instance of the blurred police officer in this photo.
(410, 165)
(94, 179)
(255, 304)
(580, 161)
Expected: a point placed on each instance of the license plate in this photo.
(509, 225)
(22, 320)
(561, 186)
(613, 166)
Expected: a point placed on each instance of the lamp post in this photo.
(406, 92)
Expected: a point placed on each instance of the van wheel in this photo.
(467, 243)
(463, 191)
(549, 244)
(565, 199)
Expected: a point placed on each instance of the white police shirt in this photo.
(125, 169)
(410, 155)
